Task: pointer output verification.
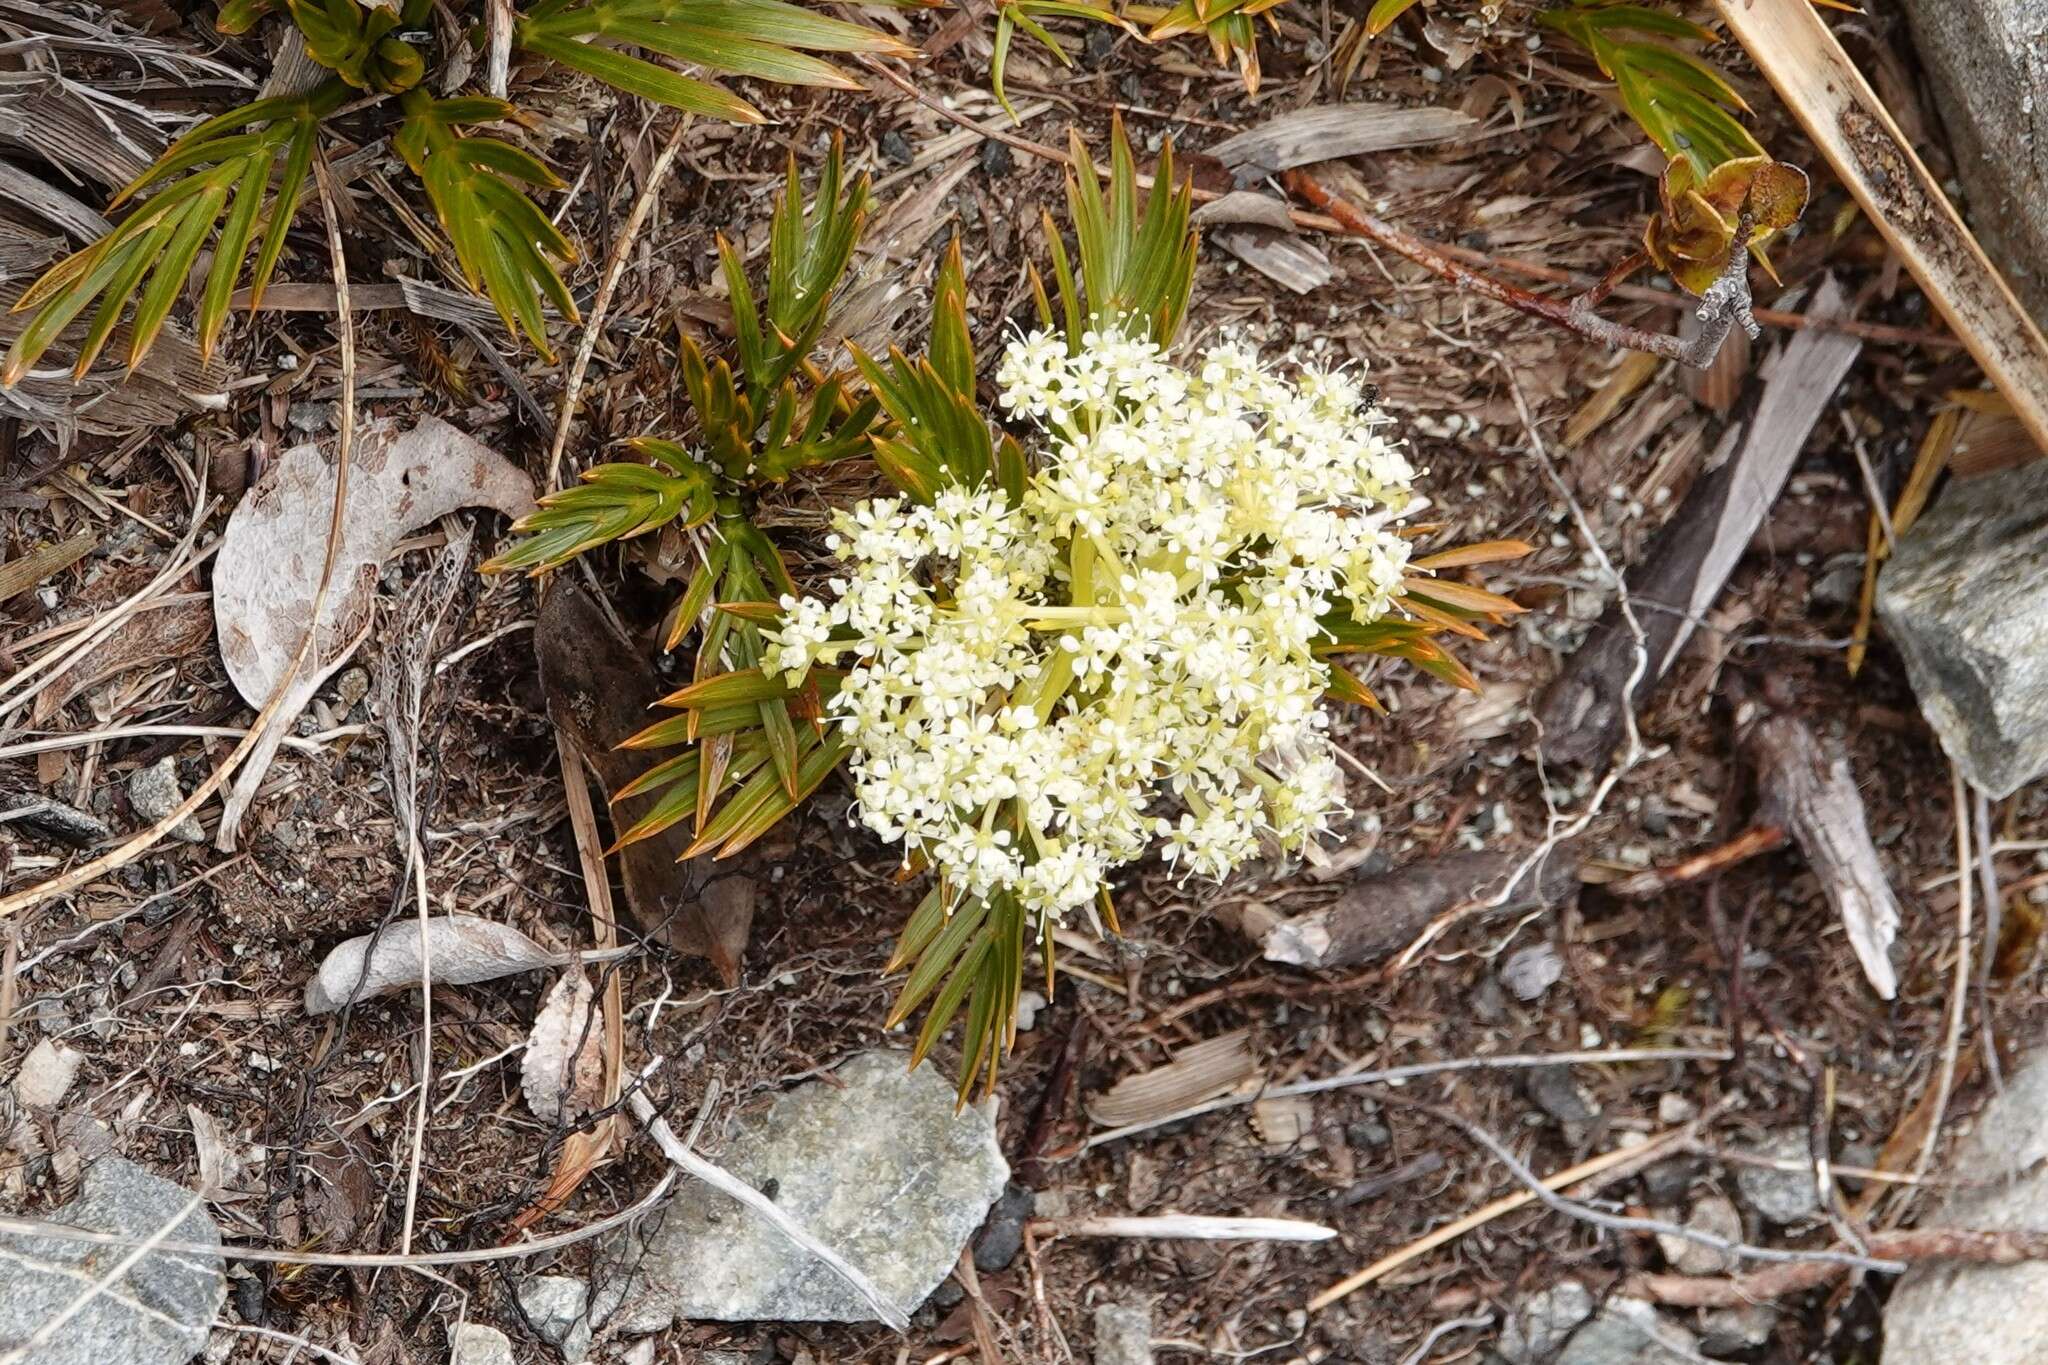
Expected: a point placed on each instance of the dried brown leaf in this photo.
(1202, 1071)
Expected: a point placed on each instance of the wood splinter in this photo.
(1726, 302)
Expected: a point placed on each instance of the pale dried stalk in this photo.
(1797, 51)
(344, 444)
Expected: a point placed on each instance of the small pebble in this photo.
(1529, 972)
(154, 793)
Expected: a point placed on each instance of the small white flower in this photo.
(1038, 684)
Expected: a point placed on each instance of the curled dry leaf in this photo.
(271, 554)
(218, 1163)
(562, 1074)
(1203, 1071)
(460, 950)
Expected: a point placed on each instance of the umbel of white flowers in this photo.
(1039, 689)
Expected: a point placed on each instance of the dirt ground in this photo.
(189, 1005)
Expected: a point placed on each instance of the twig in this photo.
(1394, 1075)
(418, 858)
(1751, 843)
(1606, 1162)
(1966, 1245)
(1725, 303)
(1994, 923)
(1959, 993)
(1189, 1227)
(361, 1260)
(311, 744)
(718, 1178)
(614, 267)
(1617, 1222)
(1442, 1330)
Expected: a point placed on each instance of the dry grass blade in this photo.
(1200, 1072)
(134, 848)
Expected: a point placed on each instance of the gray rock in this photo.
(1713, 1215)
(1123, 1334)
(1002, 1237)
(1962, 599)
(1528, 972)
(472, 1343)
(1538, 1329)
(158, 1313)
(1985, 1314)
(1560, 1326)
(154, 793)
(1725, 1331)
(558, 1306)
(1781, 1196)
(1630, 1332)
(1989, 65)
(878, 1166)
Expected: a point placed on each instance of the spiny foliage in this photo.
(237, 179)
(743, 748)
(757, 744)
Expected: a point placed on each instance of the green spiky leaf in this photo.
(230, 173)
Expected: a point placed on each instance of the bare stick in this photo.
(1616, 1222)
(1966, 1245)
(1606, 1162)
(1751, 843)
(1395, 1075)
(614, 267)
(1959, 993)
(1188, 1227)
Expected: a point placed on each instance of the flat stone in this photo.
(154, 793)
(1540, 1326)
(1123, 1334)
(1629, 1332)
(1988, 63)
(875, 1163)
(1783, 1196)
(472, 1343)
(1961, 598)
(161, 1310)
(1984, 1314)
(558, 1306)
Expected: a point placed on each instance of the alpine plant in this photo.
(1098, 617)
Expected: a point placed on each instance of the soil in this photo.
(190, 1002)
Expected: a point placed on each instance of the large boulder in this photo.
(1985, 1314)
(1962, 598)
(1988, 60)
(159, 1312)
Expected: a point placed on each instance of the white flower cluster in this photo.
(1041, 690)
